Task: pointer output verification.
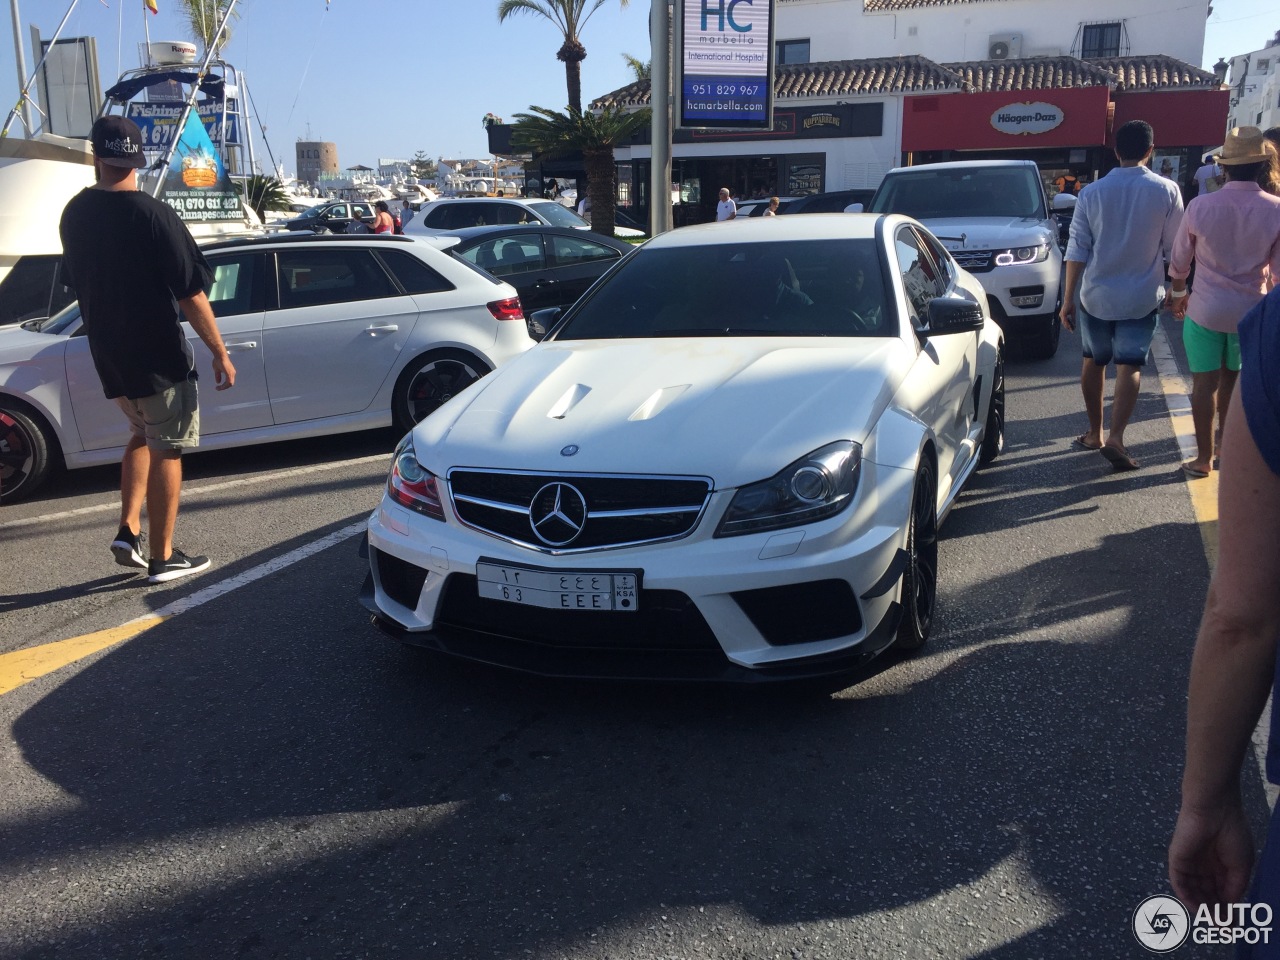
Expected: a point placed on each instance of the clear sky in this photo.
(386, 78)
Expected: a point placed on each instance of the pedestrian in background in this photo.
(406, 214)
(1234, 665)
(133, 265)
(383, 222)
(726, 209)
(1270, 180)
(1233, 235)
(1208, 177)
(772, 211)
(1122, 231)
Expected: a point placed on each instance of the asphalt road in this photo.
(264, 775)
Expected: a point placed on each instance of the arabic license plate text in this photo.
(559, 589)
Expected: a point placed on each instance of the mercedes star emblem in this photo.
(557, 513)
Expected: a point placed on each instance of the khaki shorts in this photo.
(167, 420)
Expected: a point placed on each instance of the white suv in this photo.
(993, 217)
(458, 213)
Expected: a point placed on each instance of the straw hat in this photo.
(1244, 145)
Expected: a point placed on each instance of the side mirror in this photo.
(953, 315)
(854, 208)
(540, 321)
(1063, 203)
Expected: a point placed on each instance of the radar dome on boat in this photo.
(172, 51)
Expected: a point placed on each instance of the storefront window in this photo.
(804, 176)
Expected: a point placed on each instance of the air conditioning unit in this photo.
(1004, 46)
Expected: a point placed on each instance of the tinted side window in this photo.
(309, 278)
(918, 272)
(941, 258)
(27, 290)
(234, 284)
(570, 250)
(507, 213)
(438, 217)
(414, 275)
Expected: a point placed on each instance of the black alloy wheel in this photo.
(429, 381)
(920, 580)
(993, 435)
(25, 454)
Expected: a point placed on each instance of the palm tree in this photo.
(570, 16)
(204, 17)
(640, 69)
(263, 194)
(554, 134)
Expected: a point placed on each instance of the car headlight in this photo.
(1037, 253)
(813, 488)
(412, 485)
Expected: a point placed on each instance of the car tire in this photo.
(919, 593)
(993, 434)
(26, 452)
(1043, 344)
(429, 381)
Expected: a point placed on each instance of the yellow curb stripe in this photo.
(23, 666)
(1177, 397)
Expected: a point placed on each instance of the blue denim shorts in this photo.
(1124, 341)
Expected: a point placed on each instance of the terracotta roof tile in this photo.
(1155, 73)
(1032, 73)
(883, 6)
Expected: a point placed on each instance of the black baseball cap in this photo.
(117, 142)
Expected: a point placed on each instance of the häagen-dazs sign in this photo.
(1025, 118)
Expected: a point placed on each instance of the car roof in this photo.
(523, 201)
(817, 226)
(471, 233)
(964, 165)
(289, 239)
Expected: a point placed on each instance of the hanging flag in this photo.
(151, 5)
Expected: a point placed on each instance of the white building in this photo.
(1255, 87)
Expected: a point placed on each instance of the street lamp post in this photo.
(660, 101)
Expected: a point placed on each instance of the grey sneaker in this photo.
(127, 547)
(178, 565)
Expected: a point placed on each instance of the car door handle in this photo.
(378, 328)
(242, 346)
(544, 282)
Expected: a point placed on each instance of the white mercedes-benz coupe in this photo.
(727, 461)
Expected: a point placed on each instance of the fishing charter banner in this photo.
(158, 121)
(725, 54)
(196, 182)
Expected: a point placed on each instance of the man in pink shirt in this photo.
(1233, 235)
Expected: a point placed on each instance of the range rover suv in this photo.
(993, 217)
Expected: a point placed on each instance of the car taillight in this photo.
(412, 486)
(508, 309)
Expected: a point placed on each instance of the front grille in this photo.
(666, 620)
(400, 580)
(802, 612)
(975, 261)
(614, 511)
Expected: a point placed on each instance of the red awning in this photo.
(1179, 118)
(1009, 120)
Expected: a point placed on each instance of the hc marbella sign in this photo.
(1021, 119)
(726, 64)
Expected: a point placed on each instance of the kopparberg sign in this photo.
(725, 53)
(1021, 119)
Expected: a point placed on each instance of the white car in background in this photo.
(459, 213)
(993, 217)
(328, 334)
(727, 461)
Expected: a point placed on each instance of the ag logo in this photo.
(1161, 924)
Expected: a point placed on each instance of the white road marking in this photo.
(196, 490)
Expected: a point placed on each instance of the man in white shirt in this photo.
(406, 214)
(726, 209)
(1209, 177)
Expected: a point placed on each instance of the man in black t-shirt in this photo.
(133, 264)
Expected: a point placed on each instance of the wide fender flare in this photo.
(990, 346)
(898, 440)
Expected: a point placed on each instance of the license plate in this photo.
(559, 589)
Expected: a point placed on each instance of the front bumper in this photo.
(806, 602)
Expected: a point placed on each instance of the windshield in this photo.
(968, 192)
(557, 215)
(60, 321)
(313, 211)
(806, 288)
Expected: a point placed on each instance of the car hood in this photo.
(736, 410)
(17, 344)
(987, 233)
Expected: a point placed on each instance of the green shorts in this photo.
(168, 419)
(1208, 350)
